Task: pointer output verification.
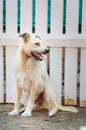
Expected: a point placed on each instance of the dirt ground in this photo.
(41, 121)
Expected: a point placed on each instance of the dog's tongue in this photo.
(40, 56)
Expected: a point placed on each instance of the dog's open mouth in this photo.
(38, 56)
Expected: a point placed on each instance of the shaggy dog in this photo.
(31, 77)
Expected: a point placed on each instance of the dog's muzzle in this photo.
(40, 55)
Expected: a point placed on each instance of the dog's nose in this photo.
(47, 50)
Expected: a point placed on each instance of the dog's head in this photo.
(34, 46)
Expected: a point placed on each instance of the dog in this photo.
(32, 79)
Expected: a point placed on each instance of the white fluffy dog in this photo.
(31, 77)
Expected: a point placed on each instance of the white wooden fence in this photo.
(72, 44)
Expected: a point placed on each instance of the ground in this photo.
(41, 121)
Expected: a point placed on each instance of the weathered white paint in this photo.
(11, 16)
(26, 16)
(1, 76)
(72, 16)
(1, 16)
(10, 79)
(70, 42)
(84, 17)
(70, 76)
(56, 17)
(83, 78)
(41, 17)
(56, 71)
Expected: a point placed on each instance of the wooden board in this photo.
(41, 17)
(83, 78)
(84, 17)
(56, 17)
(72, 14)
(1, 76)
(70, 76)
(10, 79)
(56, 71)
(11, 16)
(1, 16)
(26, 16)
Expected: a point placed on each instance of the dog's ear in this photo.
(25, 37)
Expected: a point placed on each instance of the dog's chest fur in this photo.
(30, 72)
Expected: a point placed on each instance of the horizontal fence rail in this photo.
(62, 26)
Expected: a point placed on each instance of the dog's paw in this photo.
(14, 112)
(26, 113)
(52, 112)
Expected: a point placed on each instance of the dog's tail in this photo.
(59, 107)
(67, 108)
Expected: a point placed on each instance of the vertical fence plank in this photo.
(70, 76)
(10, 82)
(1, 16)
(56, 71)
(11, 16)
(56, 17)
(41, 17)
(1, 76)
(83, 78)
(84, 17)
(83, 61)
(26, 16)
(72, 15)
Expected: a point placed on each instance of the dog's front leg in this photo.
(30, 104)
(17, 102)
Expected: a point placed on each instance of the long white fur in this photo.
(31, 76)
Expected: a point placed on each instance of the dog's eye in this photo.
(37, 44)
